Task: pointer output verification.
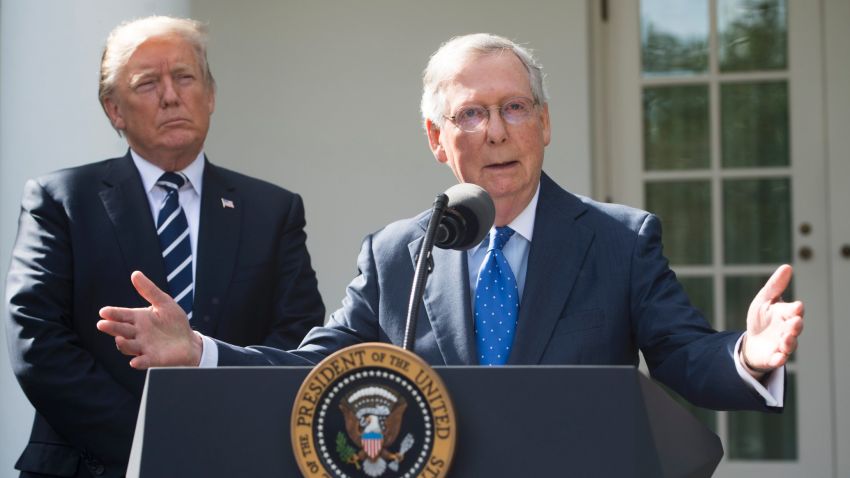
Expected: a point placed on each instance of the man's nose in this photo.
(497, 132)
(168, 96)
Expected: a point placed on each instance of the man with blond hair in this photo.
(562, 279)
(229, 249)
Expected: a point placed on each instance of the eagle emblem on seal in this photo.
(373, 417)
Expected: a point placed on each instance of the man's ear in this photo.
(434, 141)
(114, 113)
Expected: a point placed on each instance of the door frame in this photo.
(837, 98)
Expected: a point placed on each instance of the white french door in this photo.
(712, 116)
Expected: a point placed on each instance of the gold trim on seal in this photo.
(369, 356)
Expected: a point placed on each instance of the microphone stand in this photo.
(422, 270)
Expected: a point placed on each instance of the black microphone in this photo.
(468, 217)
(460, 218)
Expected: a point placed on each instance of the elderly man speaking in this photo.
(577, 281)
(229, 249)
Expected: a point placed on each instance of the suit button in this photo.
(215, 301)
(93, 464)
(206, 318)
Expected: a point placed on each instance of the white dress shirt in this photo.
(190, 195)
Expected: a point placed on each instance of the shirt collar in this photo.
(523, 224)
(150, 172)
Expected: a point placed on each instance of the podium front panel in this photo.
(511, 421)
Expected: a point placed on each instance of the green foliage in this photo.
(343, 448)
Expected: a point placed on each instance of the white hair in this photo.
(444, 64)
(126, 38)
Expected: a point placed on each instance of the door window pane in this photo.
(753, 35)
(740, 291)
(675, 127)
(685, 211)
(765, 436)
(674, 36)
(716, 122)
(754, 124)
(757, 221)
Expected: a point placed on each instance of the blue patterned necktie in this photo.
(496, 302)
(173, 231)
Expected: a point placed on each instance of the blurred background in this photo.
(730, 119)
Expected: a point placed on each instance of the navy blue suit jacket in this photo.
(598, 289)
(82, 231)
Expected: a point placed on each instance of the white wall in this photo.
(320, 97)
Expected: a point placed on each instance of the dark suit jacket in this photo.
(597, 290)
(82, 231)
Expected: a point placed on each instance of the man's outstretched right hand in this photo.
(156, 336)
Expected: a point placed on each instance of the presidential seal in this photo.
(373, 410)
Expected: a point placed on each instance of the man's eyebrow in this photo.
(142, 75)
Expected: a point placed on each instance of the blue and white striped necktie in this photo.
(173, 231)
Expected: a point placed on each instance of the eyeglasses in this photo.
(474, 118)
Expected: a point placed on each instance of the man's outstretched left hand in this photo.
(772, 326)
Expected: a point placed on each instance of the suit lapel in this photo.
(557, 252)
(218, 245)
(446, 301)
(128, 209)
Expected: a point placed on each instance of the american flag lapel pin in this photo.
(227, 203)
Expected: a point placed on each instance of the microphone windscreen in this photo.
(468, 218)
